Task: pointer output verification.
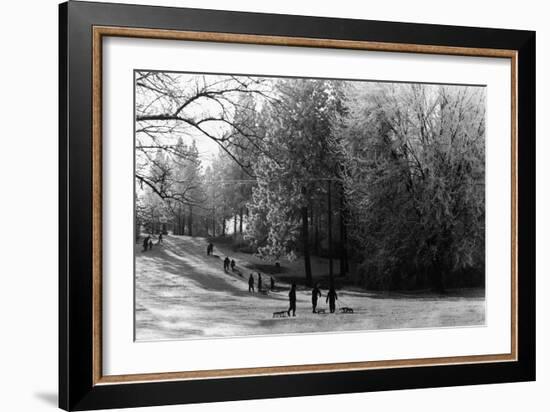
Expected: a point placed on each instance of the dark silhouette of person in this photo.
(251, 283)
(232, 265)
(208, 250)
(150, 243)
(160, 238)
(272, 283)
(315, 294)
(292, 300)
(259, 282)
(226, 264)
(211, 246)
(332, 297)
(146, 243)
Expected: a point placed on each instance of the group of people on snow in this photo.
(331, 298)
(229, 263)
(251, 283)
(148, 242)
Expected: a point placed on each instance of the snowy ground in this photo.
(183, 294)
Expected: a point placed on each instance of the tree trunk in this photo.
(234, 226)
(313, 227)
(317, 240)
(241, 222)
(438, 268)
(137, 230)
(190, 225)
(177, 226)
(343, 243)
(213, 222)
(223, 215)
(305, 240)
(182, 227)
(330, 262)
(312, 215)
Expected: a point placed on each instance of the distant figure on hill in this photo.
(251, 283)
(232, 265)
(331, 298)
(146, 243)
(315, 294)
(226, 264)
(292, 300)
(150, 243)
(160, 239)
(259, 282)
(272, 283)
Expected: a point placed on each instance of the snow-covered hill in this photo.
(181, 293)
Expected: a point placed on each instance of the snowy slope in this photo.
(181, 293)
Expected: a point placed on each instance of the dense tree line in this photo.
(385, 180)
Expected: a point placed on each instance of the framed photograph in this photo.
(257, 206)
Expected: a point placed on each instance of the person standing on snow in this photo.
(292, 300)
(315, 294)
(332, 297)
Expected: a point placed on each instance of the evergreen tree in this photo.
(300, 138)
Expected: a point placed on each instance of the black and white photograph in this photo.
(274, 205)
(316, 206)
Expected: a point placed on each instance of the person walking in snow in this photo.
(292, 300)
(259, 282)
(146, 243)
(233, 265)
(332, 297)
(251, 283)
(226, 264)
(272, 283)
(315, 294)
